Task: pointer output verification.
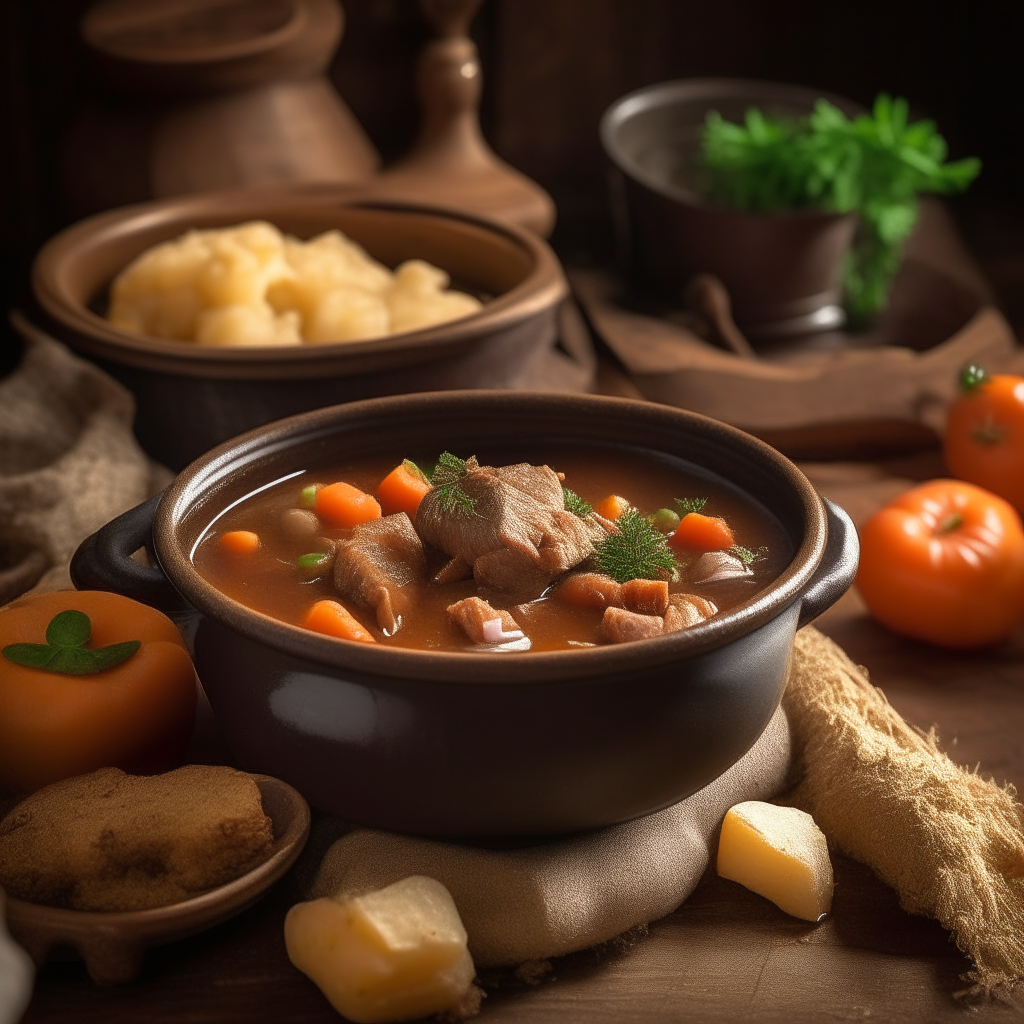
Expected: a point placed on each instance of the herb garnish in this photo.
(874, 165)
(575, 504)
(745, 555)
(447, 481)
(687, 505)
(65, 650)
(637, 552)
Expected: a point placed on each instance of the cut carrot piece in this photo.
(240, 542)
(612, 507)
(589, 590)
(702, 533)
(403, 489)
(346, 506)
(648, 597)
(335, 619)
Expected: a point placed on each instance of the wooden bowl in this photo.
(191, 397)
(113, 944)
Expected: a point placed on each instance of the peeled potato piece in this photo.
(392, 955)
(779, 853)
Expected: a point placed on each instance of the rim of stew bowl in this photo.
(183, 517)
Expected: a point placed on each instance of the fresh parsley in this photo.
(874, 165)
(447, 481)
(575, 504)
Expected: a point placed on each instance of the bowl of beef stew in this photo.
(487, 613)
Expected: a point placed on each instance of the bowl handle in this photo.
(104, 560)
(838, 566)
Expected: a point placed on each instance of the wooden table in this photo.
(725, 954)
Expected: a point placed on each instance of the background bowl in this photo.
(192, 397)
(452, 743)
(782, 270)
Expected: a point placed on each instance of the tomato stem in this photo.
(972, 376)
(952, 522)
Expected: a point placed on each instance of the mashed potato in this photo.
(251, 285)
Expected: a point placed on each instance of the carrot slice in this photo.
(589, 590)
(702, 533)
(648, 597)
(335, 619)
(612, 507)
(240, 542)
(346, 506)
(402, 490)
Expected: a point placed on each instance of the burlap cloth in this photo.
(951, 843)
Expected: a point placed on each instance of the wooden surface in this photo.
(725, 954)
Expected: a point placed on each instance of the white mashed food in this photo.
(252, 285)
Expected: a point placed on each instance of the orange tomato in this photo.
(945, 563)
(136, 715)
(984, 439)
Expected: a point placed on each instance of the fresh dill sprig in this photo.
(745, 555)
(687, 505)
(637, 552)
(575, 504)
(447, 481)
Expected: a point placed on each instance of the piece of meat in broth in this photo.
(686, 610)
(375, 562)
(619, 626)
(519, 535)
(482, 623)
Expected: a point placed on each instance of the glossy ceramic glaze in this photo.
(465, 744)
(782, 270)
(191, 397)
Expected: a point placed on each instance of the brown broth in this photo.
(270, 582)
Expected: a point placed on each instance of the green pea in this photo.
(665, 520)
(308, 495)
(311, 561)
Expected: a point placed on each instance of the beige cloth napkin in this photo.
(559, 897)
(68, 462)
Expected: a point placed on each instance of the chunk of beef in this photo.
(619, 626)
(519, 535)
(454, 570)
(372, 566)
(482, 623)
(685, 610)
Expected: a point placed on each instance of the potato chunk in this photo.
(395, 954)
(779, 853)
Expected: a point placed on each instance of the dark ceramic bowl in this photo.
(465, 744)
(782, 270)
(193, 397)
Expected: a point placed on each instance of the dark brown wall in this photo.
(552, 66)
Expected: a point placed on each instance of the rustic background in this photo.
(552, 66)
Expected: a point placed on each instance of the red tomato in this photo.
(945, 563)
(984, 440)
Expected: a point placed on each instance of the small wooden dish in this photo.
(113, 944)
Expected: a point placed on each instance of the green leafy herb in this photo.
(312, 561)
(745, 555)
(415, 470)
(687, 505)
(637, 552)
(972, 376)
(65, 650)
(447, 481)
(575, 504)
(874, 165)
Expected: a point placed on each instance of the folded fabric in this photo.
(555, 898)
(68, 462)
